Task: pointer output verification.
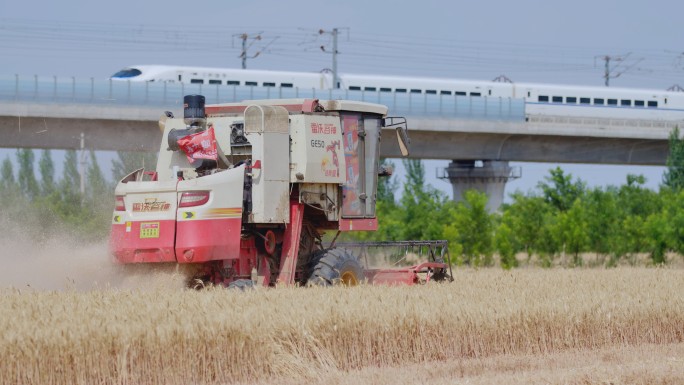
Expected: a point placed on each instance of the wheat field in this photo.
(168, 335)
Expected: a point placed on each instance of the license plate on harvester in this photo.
(149, 230)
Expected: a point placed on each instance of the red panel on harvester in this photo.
(143, 241)
(208, 240)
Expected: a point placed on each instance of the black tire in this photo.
(441, 275)
(335, 267)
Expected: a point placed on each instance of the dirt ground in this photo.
(645, 364)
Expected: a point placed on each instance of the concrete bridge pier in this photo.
(487, 176)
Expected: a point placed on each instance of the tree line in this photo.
(51, 204)
(562, 219)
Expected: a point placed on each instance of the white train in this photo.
(540, 99)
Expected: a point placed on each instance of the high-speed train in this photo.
(540, 99)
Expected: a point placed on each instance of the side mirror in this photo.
(402, 133)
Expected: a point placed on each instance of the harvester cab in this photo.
(244, 192)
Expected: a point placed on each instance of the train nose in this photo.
(127, 73)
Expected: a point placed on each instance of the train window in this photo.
(179, 78)
(638, 103)
(543, 98)
(385, 89)
(665, 100)
(431, 92)
(652, 103)
(214, 81)
(128, 73)
(571, 99)
(286, 85)
(460, 93)
(250, 83)
(233, 82)
(585, 100)
(490, 92)
(475, 94)
(369, 89)
(626, 103)
(557, 99)
(528, 94)
(197, 81)
(598, 102)
(612, 102)
(354, 88)
(400, 90)
(415, 91)
(269, 84)
(445, 92)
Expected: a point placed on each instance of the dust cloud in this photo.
(64, 262)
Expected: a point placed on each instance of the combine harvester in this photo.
(245, 191)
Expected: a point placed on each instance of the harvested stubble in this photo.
(220, 336)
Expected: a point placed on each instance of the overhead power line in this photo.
(245, 37)
(615, 70)
(299, 49)
(334, 33)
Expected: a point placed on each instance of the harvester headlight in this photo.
(119, 204)
(193, 198)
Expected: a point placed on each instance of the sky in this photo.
(526, 40)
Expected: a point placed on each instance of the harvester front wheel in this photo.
(335, 266)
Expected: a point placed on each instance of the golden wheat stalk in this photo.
(218, 336)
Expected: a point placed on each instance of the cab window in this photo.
(361, 147)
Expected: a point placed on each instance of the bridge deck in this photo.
(52, 113)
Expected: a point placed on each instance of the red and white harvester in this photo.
(245, 191)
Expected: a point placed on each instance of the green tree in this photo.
(97, 185)
(525, 215)
(560, 191)
(27, 178)
(657, 233)
(471, 226)
(635, 199)
(630, 240)
(7, 175)
(389, 213)
(47, 173)
(504, 241)
(674, 175)
(387, 185)
(572, 231)
(68, 204)
(634, 204)
(415, 179)
(549, 243)
(413, 199)
(71, 178)
(673, 220)
(602, 216)
(423, 217)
